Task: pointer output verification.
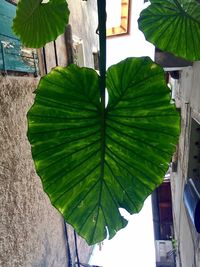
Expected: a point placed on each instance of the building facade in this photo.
(185, 177)
(184, 172)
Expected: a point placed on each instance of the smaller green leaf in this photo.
(38, 23)
(173, 26)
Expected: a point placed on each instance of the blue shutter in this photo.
(13, 56)
(191, 198)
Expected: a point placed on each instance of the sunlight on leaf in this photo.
(38, 23)
(173, 26)
(91, 167)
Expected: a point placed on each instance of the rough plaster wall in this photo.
(32, 230)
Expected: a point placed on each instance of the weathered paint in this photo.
(13, 56)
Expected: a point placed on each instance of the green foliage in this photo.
(37, 23)
(94, 160)
(173, 26)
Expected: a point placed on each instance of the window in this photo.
(191, 195)
(13, 56)
(194, 151)
(118, 21)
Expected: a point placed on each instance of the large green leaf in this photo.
(38, 23)
(173, 26)
(93, 161)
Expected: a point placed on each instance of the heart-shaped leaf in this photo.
(93, 161)
(38, 23)
(173, 26)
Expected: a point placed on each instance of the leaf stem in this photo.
(102, 64)
(102, 42)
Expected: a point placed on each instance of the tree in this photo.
(92, 158)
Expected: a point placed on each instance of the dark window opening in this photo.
(194, 151)
(162, 212)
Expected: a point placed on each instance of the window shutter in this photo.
(13, 56)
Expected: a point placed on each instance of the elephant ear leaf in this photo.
(173, 26)
(38, 23)
(92, 160)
